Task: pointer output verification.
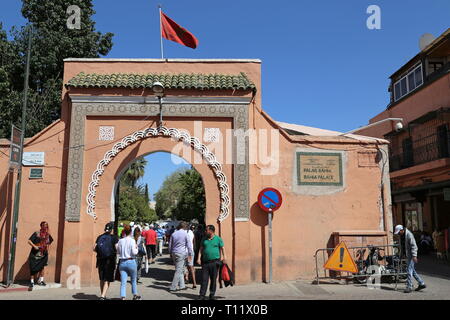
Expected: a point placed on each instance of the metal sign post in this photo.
(269, 200)
(270, 215)
(13, 239)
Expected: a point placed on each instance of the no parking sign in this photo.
(270, 199)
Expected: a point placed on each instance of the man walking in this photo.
(150, 242)
(160, 235)
(105, 246)
(119, 230)
(179, 244)
(190, 264)
(211, 253)
(409, 247)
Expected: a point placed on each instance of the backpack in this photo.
(141, 248)
(104, 247)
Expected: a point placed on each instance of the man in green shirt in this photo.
(211, 253)
(119, 230)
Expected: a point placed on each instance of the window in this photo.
(397, 91)
(408, 156)
(443, 141)
(413, 216)
(411, 81)
(418, 76)
(403, 86)
(408, 83)
(434, 66)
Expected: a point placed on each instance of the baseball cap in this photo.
(109, 226)
(398, 228)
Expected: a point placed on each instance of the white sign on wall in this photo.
(32, 159)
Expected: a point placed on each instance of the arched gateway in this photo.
(114, 118)
(110, 116)
(166, 132)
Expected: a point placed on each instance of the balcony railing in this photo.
(425, 149)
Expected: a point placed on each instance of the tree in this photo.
(168, 194)
(53, 41)
(147, 196)
(133, 205)
(144, 212)
(127, 210)
(134, 172)
(192, 203)
(10, 100)
(182, 196)
(134, 199)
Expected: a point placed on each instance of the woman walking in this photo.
(127, 250)
(140, 241)
(38, 258)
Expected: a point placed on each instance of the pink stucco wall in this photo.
(303, 224)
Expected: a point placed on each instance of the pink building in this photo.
(331, 184)
(420, 152)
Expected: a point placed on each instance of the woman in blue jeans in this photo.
(127, 250)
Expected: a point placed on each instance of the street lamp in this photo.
(158, 90)
(398, 125)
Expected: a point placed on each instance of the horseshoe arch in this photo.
(181, 136)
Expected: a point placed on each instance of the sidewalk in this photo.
(24, 286)
(291, 290)
(155, 286)
(431, 265)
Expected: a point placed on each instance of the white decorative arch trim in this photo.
(182, 136)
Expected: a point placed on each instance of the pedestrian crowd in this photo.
(123, 257)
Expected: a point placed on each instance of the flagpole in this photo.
(160, 30)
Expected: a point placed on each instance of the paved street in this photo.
(155, 287)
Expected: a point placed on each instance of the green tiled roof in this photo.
(170, 81)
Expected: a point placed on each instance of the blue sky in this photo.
(159, 166)
(321, 65)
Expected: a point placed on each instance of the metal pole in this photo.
(160, 112)
(270, 244)
(12, 249)
(160, 29)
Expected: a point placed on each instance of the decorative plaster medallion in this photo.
(211, 135)
(106, 133)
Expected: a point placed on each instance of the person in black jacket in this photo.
(105, 246)
(40, 242)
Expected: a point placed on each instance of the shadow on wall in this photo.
(259, 218)
(59, 239)
(23, 273)
(6, 207)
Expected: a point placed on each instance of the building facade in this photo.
(332, 185)
(419, 153)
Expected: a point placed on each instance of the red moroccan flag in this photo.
(174, 32)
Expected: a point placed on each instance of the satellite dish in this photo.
(425, 40)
